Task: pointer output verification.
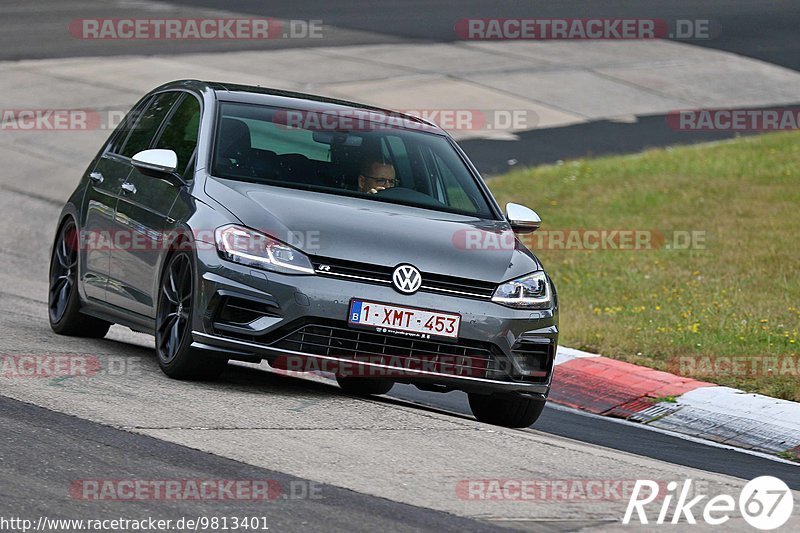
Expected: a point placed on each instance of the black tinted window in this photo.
(148, 124)
(180, 132)
(120, 135)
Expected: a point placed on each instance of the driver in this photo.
(375, 176)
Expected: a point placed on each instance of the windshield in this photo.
(344, 156)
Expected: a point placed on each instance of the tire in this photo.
(173, 332)
(364, 386)
(507, 411)
(63, 300)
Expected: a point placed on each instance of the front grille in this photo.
(382, 275)
(533, 359)
(473, 359)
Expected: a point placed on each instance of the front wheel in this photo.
(175, 355)
(510, 411)
(63, 302)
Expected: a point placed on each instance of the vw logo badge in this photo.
(407, 279)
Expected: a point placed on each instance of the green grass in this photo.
(738, 294)
(789, 455)
(665, 399)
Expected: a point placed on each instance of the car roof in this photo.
(249, 94)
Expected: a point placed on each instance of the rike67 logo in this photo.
(765, 503)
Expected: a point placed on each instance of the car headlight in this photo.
(531, 291)
(255, 249)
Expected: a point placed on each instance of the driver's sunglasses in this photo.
(381, 182)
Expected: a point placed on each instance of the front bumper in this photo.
(287, 301)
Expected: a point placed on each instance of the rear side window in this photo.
(180, 132)
(145, 129)
(120, 135)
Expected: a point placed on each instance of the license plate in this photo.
(408, 321)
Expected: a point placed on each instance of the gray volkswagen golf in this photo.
(242, 223)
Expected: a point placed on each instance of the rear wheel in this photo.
(175, 355)
(364, 386)
(63, 301)
(511, 411)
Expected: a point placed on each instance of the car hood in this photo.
(376, 232)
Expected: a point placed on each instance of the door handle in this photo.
(97, 177)
(129, 187)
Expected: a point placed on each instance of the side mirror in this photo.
(157, 163)
(522, 219)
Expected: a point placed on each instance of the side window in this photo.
(454, 194)
(148, 124)
(117, 139)
(180, 132)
